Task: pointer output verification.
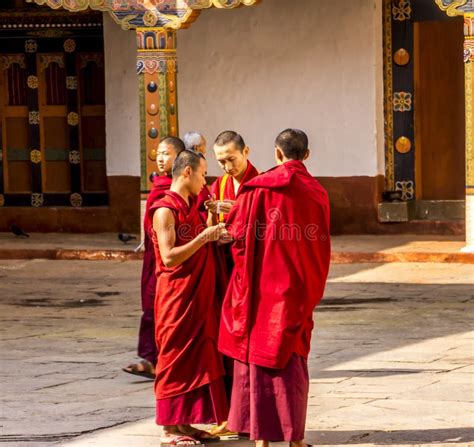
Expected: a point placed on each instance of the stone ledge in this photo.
(338, 257)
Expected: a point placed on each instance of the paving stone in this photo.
(391, 361)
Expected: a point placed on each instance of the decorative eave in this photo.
(130, 14)
(456, 7)
(46, 19)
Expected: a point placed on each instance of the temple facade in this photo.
(382, 87)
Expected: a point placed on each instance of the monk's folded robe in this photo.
(189, 369)
(223, 189)
(202, 198)
(146, 336)
(270, 403)
(281, 253)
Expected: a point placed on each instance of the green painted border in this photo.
(141, 94)
(15, 154)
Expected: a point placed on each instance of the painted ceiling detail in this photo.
(456, 7)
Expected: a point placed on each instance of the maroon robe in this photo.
(224, 252)
(225, 263)
(281, 251)
(146, 336)
(202, 198)
(229, 191)
(186, 325)
(270, 404)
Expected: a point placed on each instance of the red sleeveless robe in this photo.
(186, 324)
(146, 335)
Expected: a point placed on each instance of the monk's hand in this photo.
(211, 204)
(225, 206)
(226, 238)
(212, 234)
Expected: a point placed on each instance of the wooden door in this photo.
(439, 110)
(56, 177)
(15, 152)
(52, 147)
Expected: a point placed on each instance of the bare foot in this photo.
(143, 368)
(188, 430)
(262, 444)
(170, 430)
(202, 435)
(173, 431)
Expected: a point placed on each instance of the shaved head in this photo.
(184, 159)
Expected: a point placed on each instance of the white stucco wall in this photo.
(122, 106)
(310, 64)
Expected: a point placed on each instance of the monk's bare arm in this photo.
(164, 226)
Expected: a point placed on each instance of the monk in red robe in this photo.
(166, 153)
(189, 384)
(282, 252)
(232, 155)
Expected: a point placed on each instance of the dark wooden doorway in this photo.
(439, 110)
(52, 108)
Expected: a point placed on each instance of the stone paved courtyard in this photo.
(391, 362)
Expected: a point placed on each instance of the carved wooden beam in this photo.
(130, 14)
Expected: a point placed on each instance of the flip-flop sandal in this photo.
(178, 440)
(145, 372)
(222, 430)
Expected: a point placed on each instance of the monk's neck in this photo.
(238, 179)
(181, 190)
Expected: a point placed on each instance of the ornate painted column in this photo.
(156, 69)
(469, 89)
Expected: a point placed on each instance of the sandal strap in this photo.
(176, 439)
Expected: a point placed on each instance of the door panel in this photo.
(439, 110)
(70, 115)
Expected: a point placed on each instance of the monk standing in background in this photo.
(167, 151)
(282, 252)
(189, 384)
(194, 141)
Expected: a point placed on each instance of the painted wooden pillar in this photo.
(156, 69)
(469, 67)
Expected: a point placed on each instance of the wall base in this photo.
(354, 204)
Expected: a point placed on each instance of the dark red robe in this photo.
(146, 336)
(281, 252)
(229, 191)
(185, 313)
(224, 252)
(225, 263)
(270, 403)
(202, 198)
